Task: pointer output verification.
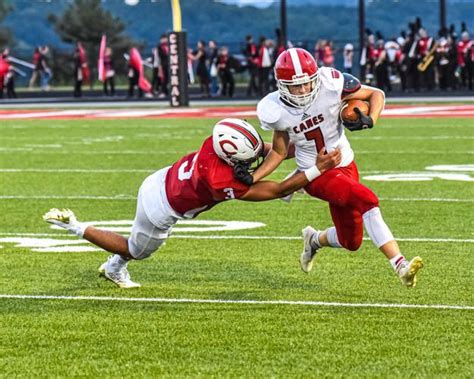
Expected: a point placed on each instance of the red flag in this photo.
(84, 65)
(136, 63)
(101, 68)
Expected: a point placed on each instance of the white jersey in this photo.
(312, 128)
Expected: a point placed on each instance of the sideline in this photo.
(241, 237)
(240, 302)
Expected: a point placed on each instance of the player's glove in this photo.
(241, 173)
(364, 122)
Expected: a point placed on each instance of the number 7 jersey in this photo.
(313, 128)
(200, 180)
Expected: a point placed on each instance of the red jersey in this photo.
(461, 52)
(200, 180)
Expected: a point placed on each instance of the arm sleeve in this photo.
(351, 84)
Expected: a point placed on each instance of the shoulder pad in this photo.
(351, 83)
(268, 111)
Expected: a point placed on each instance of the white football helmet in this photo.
(236, 141)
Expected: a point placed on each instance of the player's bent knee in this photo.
(352, 244)
(365, 199)
(141, 246)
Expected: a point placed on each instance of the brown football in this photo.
(347, 111)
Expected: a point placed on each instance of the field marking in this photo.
(248, 237)
(74, 170)
(239, 302)
(30, 151)
(122, 197)
(415, 111)
(85, 197)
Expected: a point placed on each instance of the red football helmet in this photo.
(297, 66)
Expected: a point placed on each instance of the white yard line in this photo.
(131, 197)
(427, 199)
(85, 197)
(75, 170)
(238, 302)
(247, 237)
(158, 151)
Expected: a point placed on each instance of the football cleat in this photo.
(121, 277)
(309, 252)
(407, 271)
(65, 219)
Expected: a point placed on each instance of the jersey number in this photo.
(316, 136)
(229, 193)
(182, 173)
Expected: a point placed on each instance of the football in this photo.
(348, 113)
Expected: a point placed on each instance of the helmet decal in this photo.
(227, 152)
(236, 141)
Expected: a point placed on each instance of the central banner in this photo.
(178, 69)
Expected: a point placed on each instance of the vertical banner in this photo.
(178, 69)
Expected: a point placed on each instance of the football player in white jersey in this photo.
(306, 112)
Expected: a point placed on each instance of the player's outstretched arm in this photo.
(276, 155)
(375, 97)
(268, 190)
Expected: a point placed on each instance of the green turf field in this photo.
(95, 168)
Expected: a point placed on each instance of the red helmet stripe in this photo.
(295, 59)
(242, 130)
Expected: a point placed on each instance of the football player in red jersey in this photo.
(306, 112)
(219, 171)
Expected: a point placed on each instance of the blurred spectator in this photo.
(264, 66)
(163, 53)
(443, 63)
(35, 72)
(381, 67)
(43, 68)
(133, 77)
(213, 52)
(7, 75)
(251, 56)
(109, 80)
(319, 52)
(202, 70)
(348, 55)
(462, 55)
(367, 58)
(189, 61)
(224, 69)
(425, 52)
(157, 71)
(80, 69)
(470, 63)
(328, 54)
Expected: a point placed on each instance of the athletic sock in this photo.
(332, 237)
(314, 242)
(396, 261)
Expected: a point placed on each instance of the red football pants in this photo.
(348, 201)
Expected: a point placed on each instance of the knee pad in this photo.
(141, 245)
